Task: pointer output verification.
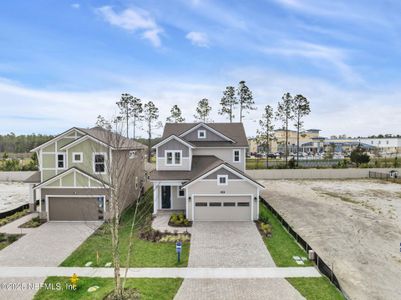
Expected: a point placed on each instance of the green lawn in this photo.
(148, 288)
(316, 288)
(144, 254)
(282, 246)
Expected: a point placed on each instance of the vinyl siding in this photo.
(223, 154)
(210, 136)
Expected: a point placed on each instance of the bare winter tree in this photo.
(150, 116)
(121, 174)
(265, 133)
(301, 109)
(285, 113)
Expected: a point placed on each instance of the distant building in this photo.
(390, 145)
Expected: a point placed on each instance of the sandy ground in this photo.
(13, 194)
(354, 225)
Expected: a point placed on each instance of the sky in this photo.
(62, 63)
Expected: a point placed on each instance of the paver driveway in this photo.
(231, 244)
(47, 245)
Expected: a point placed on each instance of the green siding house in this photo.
(78, 168)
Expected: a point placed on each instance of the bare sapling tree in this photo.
(175, 115)
(125, 106)
(285, 114)
(203, 110)
(245, 99)
(103, 123)
(150, 116)
(265, 133)
(118, 166)
(301, 109)
(228, 103)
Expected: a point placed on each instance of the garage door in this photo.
(218, 208)
(75, 208)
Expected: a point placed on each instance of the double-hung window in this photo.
(60, 160)
(99, 163)
(173, 157)
(236, 155)
(222, 179)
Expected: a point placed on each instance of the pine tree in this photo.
(175, 115)
(265, 133)
(125, 106)
(301, 108)
(136, 112)
(285, 113)
(203, 110)
(245, 99)
(228, 103)
(150, 116)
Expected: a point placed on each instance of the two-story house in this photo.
(75, 169)
(200, 170)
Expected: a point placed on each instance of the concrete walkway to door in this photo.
(231, 245)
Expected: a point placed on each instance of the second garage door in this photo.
(75, 208)
(222, 208)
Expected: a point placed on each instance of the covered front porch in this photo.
(168, 196)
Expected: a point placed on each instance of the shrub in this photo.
(12, 238)
(179, 220)
(266, 229)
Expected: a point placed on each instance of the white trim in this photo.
(62, 135)
(227, 168)
(178, 192)
(93, 162)
(82, 139)
(239, 155)
(182, 141)
(173, 164)
(199, 134)
(222, 176)
(64, 161)
(209, 128)
(74, 196)
(77, 161)
(220, 195)
(157, 159)
(168, 182)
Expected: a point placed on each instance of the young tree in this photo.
(228, 103)
(150, 116)
(245, 99)
(285, 115)
(136, 113)
(125, 106)
(203, 110)
(359, 156)
(175, 115)
(265, 133)
(301, 109)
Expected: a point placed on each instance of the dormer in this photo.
(173, 154)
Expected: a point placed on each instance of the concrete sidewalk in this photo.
(193, 273)
(13, 227)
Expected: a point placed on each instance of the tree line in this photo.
(12, 143)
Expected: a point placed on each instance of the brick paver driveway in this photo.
(231, 244)
(47, 245)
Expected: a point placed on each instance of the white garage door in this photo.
(222, 208)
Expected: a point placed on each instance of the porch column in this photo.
(155, 197)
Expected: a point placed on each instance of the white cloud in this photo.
(134, 20)
(76, 5)
(199, 39)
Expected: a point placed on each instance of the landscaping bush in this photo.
(13, 217)
(2, 237)
(179, 221)
(11, 238)
(33, 223)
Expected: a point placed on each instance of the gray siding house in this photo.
(200, 170)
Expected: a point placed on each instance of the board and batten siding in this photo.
(173, 145)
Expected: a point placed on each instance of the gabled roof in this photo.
(68, 171)
(235, 132)
(57, 137)
(177, 138)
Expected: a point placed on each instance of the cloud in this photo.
(199, 39)
(319, 55)
(133, 20)
(76, 5)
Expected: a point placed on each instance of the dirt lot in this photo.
(354, 225)
(13, 194)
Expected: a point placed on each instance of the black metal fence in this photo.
(13, 211)
(384, 176)
(321, 265)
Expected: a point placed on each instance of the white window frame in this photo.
(199, 134)
(77, 161)
(239, 155)
(173, 162)
(222, 176)
(178, 192)
(93, 162)
(64, 161)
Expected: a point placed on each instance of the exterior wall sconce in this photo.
(255, 199)
(189, 198)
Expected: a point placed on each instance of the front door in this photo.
(166, 196)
